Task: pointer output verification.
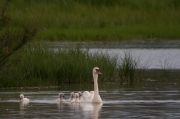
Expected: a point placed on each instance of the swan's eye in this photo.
(97, 70)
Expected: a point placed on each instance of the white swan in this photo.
(87, 96)
(93, 96)
(80, 95)
(23, 99)
(60, 99)
(71, 97)
(76, 99)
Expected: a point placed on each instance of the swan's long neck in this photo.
(96, 89)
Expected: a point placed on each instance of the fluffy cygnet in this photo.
(61, 96)
(71, 97)
(76, 98)
(23, 99)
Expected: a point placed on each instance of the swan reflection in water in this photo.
(23, 107)
(83, 110)
(90, 109)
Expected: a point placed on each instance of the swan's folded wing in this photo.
(87, 97)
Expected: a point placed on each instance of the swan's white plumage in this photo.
(93, 96)
(76, 98)
(71, 97)
(60, 99)
(87, 96)
(23, 99)
(80, 95)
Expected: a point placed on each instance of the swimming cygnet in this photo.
(61, 96)
(23, 99)
(71, 97)
(76, 99)
(80, 95)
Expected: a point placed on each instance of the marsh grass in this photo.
(101, 19)
(130, 69)
(42, 65)
(164, 72)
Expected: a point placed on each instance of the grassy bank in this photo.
(103, 20)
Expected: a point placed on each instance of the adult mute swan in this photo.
(60, 99)
(23, 99)
(93, 96)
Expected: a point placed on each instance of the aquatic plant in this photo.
(40, 64)
(165, 70)
(129, 68)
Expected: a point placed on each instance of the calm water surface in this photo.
(152, 58)
(150, 100)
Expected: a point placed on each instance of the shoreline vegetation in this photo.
(32, 64)
(11, 40)
(39, 65)
(100, 20)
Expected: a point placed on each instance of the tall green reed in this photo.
(130, 69)
(42, 65)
